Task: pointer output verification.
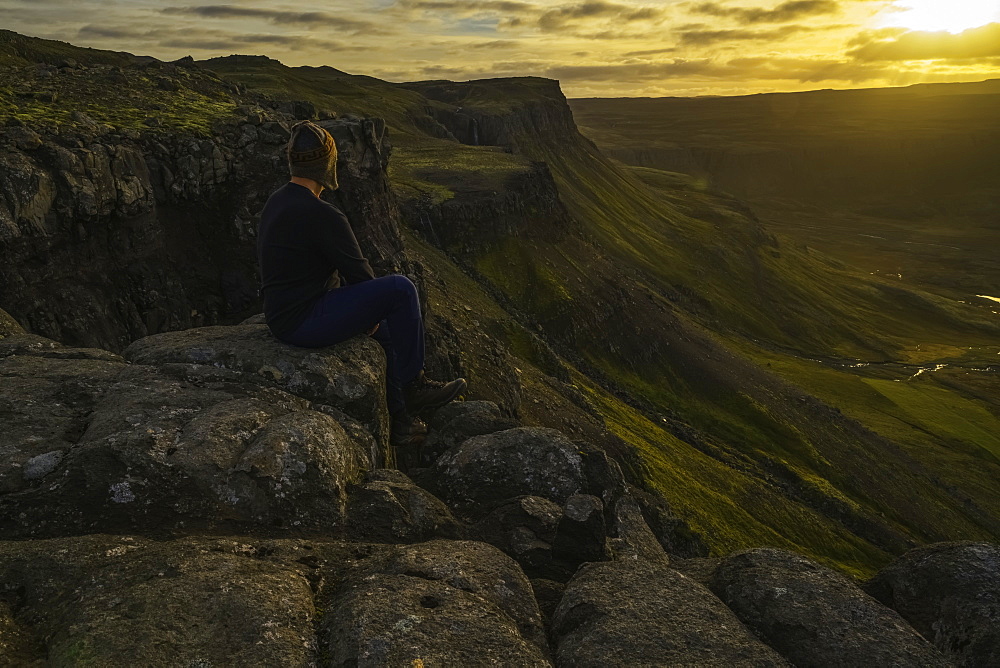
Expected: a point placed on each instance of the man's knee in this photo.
(404, 285)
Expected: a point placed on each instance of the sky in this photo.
(595, 48)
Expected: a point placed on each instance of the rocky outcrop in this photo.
(500, 112)
(112, 234)
(348, 376)
(405, 608)
(526, 205)
(638, 613)
(485, 470)
(950, 593)
(248, 433)
(816, 617)
(223, 429)
(124, 600)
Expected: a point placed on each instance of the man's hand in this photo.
(373, 329)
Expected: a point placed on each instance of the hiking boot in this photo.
(424, 393)
(406, 431)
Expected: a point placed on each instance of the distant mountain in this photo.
(894, 180)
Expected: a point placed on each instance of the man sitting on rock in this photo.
(307, 251)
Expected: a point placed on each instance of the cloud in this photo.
(515, 14)
(471, 6)
(211, 40)
(650, 52)
(786, 11)
(496, 44)
(352, 26)
(556, 18)
(703, 37)
(982, 42)
(802, 70)
(105, 31)
(698, 35)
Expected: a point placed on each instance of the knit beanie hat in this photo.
(312, 154)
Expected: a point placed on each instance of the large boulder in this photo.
(633, 539)
(116, 601)
(448, 603)
(349, 376)
(524, 528)
(639, 613)
(816, 617)
(483, 471)
(105, 446)
(949, 592)
(390, 508)
(459, 421)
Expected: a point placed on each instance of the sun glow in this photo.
(950, 15)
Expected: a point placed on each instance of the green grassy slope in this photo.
(704, 256)
(671, 294)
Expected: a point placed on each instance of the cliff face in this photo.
(527, 207)
(113, 235)
(499, 112)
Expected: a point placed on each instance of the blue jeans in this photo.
(392, 303)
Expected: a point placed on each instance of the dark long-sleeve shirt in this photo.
(305, 246)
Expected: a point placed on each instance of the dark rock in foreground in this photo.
(348, 376)
(816, 617)
(390, 508)
(222, 601)
(636, 613)
(459, 421)
(444, 603)
(486, 470)
(117, 601)
(91, 443)
(950, 593)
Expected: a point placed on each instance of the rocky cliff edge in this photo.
(214, 497)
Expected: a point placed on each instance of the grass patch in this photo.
(435, 169)
(730, 510)
(122, 105)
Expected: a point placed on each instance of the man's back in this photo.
(302, 241)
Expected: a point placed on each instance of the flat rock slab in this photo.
(125, 601)
(639, 613)
(446, 603)
(45, 406)
(950, 592)
(349, 376)
(814, 616)
(107, 446)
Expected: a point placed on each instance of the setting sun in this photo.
(935, 15)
